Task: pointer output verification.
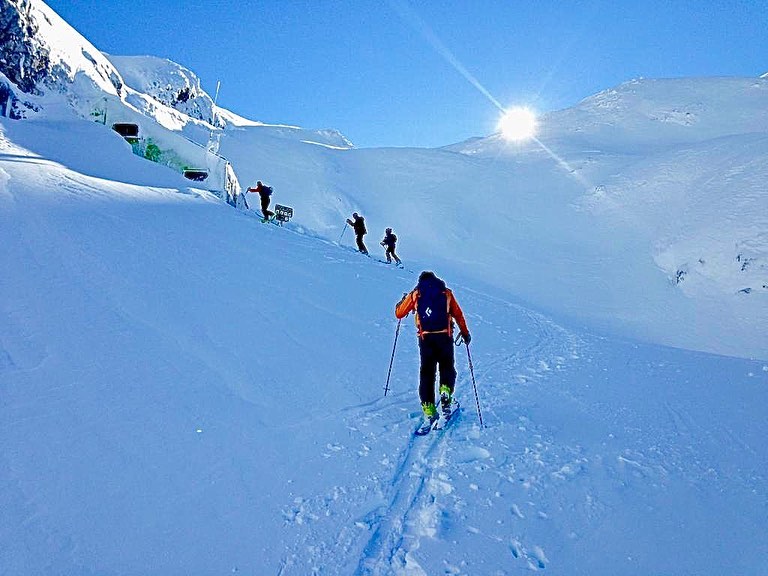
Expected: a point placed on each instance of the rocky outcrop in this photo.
(11, 106)
(31, 64)
(24, 59)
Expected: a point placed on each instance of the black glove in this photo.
(467, 337)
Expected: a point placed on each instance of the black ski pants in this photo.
(360, 244)
(265, 207)
(391, 254)
(435, 350)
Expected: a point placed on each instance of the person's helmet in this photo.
(258, 183)
(354, 214)
(389, 230)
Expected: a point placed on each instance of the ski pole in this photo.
(474, 385)
(342, 232)
(391, 360)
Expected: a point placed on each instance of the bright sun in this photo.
(518, 124)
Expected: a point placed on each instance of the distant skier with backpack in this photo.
(358, 225)
(436, 308)
(389, 243)
(264, 192)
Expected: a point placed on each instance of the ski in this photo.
(439, 424)
(396, 265)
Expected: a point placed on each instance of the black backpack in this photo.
(432, 305)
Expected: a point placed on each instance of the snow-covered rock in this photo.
(168, 83)
(41, 52)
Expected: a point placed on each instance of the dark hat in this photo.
(426, 274)
(389, 230)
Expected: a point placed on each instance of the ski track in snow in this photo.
(423, 494)
(430, 488)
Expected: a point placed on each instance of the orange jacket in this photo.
(408, 305)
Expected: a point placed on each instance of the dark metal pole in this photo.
(474, 385)
(391, 360)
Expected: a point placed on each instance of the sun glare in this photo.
(518, 124)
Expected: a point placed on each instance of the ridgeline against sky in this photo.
(396, 73)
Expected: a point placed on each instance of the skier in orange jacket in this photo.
(435, 309)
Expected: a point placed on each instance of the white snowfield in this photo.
(185, 390)
(189, 391)
(641, 211)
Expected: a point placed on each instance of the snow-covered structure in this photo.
(48, 69)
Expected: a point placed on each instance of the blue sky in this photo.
(424, 72)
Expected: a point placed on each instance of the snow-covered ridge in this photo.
(60, 72)
(40, 50)
(167, 82)
(669, 111)
(179, 88)
(649, 114)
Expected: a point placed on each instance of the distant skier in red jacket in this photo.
(264, 192)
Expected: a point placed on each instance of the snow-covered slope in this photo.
(641, 210)
(651, 114)
(616, 216)
(186, 390)
(189, 391)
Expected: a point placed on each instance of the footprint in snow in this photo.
(469, 454)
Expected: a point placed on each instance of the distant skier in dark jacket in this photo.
(264, 192)
(436, 308)
(389, 243)
(358, 225)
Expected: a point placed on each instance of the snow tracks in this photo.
(421, 478)
(457, 501)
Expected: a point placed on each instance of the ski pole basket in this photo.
(283, 213)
